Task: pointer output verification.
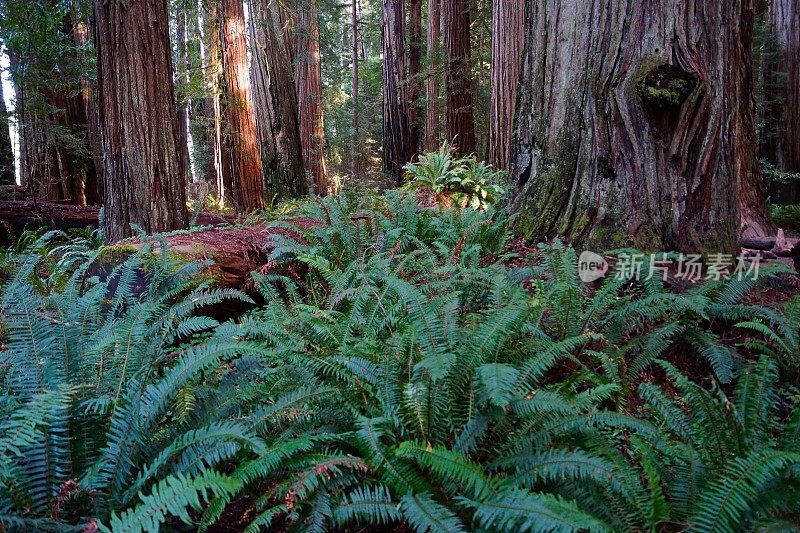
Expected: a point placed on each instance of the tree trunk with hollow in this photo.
(142, 177)
(275, 102)
(240, 158)
(507, 41)
(635, 123)
(459, 122)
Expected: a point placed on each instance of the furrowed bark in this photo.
(275, 102)
(633, 125)
(397, 135)
(459, 123)
(507, 42)
(142, 178)
(241, 160)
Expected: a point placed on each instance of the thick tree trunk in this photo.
(241, 160)
(507, 42)
(304, 48)
(432, 129)
(397, 136)
(459, 123)
(633, 125)
(275, 102)
(780, 140)
(142, 177)
(7, 172)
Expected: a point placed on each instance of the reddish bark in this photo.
(241, 161)
(459, 123)
(143, 180)
(507, 42)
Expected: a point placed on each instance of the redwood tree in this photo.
(241, 160)
(507, 41)
(635, 122)
(302, 36)
(142, 177)
(432, 127)
(275, 102)
(398, 146)
(459, 123)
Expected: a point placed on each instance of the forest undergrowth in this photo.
(392, 364)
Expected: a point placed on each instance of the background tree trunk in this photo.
(632, 125)
(304, 47)
(432, 133)
(414, 69)
(86, 104)
(397, 136)
(275, 103)
(507, 42)
(7, 172)
(241, 161)
(201, 106)
(459, 123)
(182, 85)
(213, 68)
(780, 139)
(143, 180)
(355, 144)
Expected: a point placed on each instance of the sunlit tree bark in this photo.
(241, 160)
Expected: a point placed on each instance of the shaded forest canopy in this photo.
(400, 265)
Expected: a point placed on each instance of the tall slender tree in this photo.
(432, 128)
(355, 146)
(212, 66)
(459, 121)
(142, 179)
(414, 70)
(302, 38)
(275, 102)
(397, 136)
(182, 83)
(635, 122)
(241, 160)
(7, 176)
(507, 42)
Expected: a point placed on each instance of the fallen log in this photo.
(17, 215)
